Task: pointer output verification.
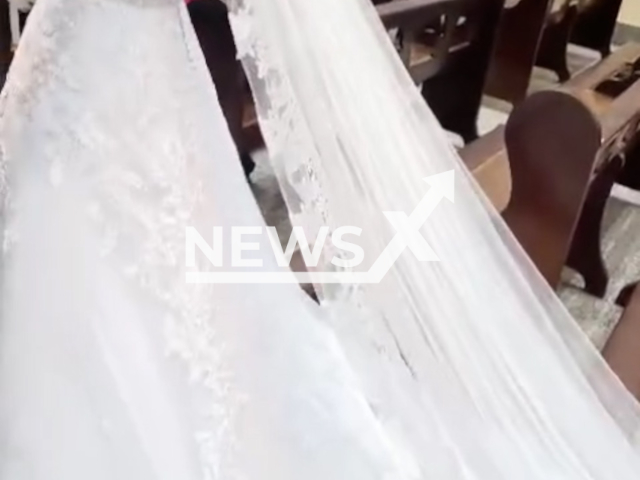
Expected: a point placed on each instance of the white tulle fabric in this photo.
(111, 366)
(474, 355)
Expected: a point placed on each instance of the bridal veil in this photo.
(517, 388)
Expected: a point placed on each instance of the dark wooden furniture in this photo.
(528, 35)
(5, 40)
(542, 191)
(630, 174)
(595, 24)
(553, 182)
(538, 32)
(589, 23)
(487, 159)
(553, 141)
(517, 44)
(622, 350)
(624, 297)
(447, 45)
(617, 109)
(556, 36)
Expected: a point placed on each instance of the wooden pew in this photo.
(538, 32)
(447, 45)
(537, 172)
(556, 36)
(622, 350)
(521, 33)
(596, 24)
(589, 23)
(487, 160)
(618, 160)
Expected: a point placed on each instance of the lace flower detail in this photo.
(138, 170)
(284, 128)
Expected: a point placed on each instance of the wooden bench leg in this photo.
(455, 99)
(517, 45)
(605, 51)
(455, 94)
(585, 255)
(553, 48)
(630, 174)
(596, 25)
(624, 297)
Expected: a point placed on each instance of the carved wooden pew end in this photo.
(549, 147)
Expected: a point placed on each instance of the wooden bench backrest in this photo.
(551, 141)
(458, 39)
(596, 23)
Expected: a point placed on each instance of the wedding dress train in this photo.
(111, 366)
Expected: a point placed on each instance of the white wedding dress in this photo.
(111, 366)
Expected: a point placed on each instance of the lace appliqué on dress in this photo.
(291, 148)
(140, 196)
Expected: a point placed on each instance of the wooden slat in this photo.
(413, 14)
(420, 53)
(596, 73)
(487, 160)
